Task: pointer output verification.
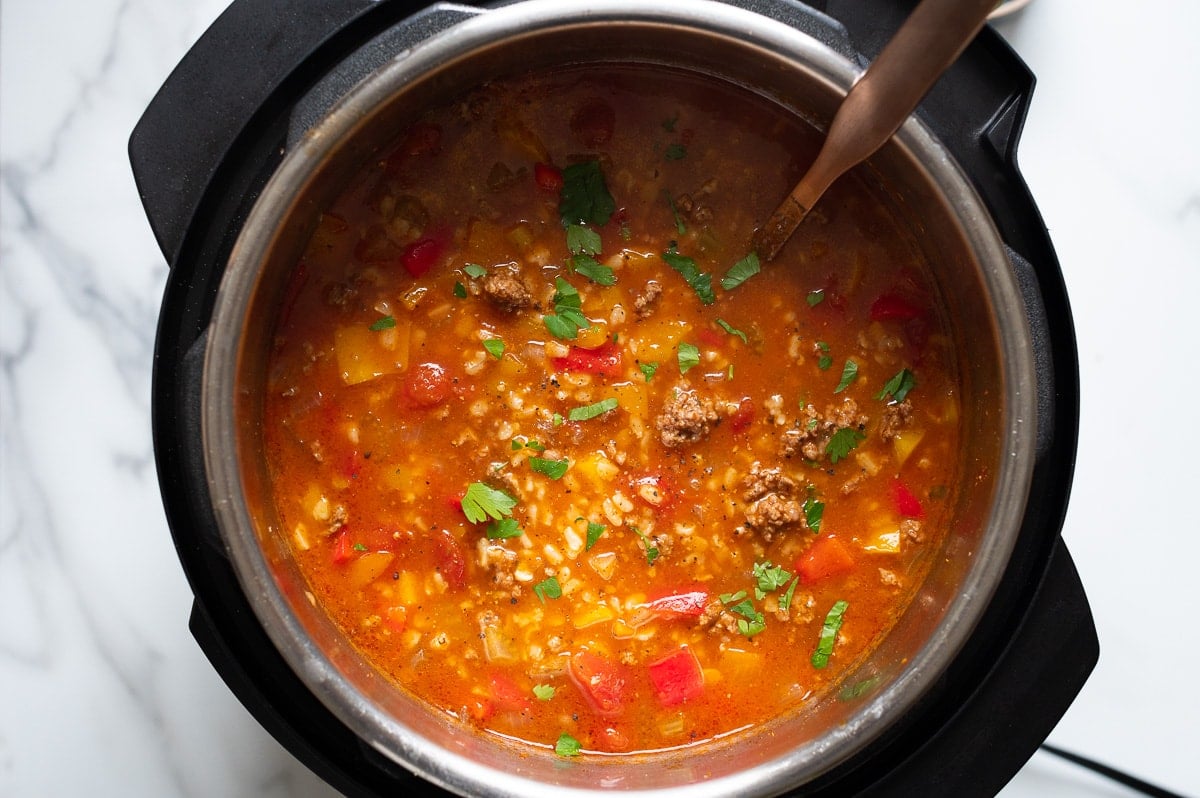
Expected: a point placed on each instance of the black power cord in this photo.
(1118, 776)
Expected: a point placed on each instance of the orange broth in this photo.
(631, 539)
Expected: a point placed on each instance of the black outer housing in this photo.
(212, 137)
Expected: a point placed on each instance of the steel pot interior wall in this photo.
(982, 304)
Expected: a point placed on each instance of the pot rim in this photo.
(220, 430)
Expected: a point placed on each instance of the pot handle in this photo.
(249, 53)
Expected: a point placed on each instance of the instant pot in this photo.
(211, 151)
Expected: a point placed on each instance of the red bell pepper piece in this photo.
(711, 338)
(894, 307)
(421, 256)
(743, 417)
(689, 604)
(827, 557)
(601, 681)
(342, 550)
(451, 562)
(603, 360)
(677, 678)
(906, 503)
(547, 177)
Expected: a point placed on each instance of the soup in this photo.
(562, 458)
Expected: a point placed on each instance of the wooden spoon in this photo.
(934, 34)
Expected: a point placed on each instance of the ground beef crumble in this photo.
(645, 302)
(773, 505)
(895, 418)
(686, 417)
(811, 431)
(504, 287)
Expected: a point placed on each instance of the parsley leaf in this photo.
(813, 512)
(360, 547)
(829, 630)
(518, 444)
(898, 386)
(543, 692)
(585, 198)
(843, 442)
(548, 588)
(582, 240)
(849, 372)
(586, 412)
(815, 298)
(594, 531)
(751, 621)
(494, 347)
(669, 124)
(567, 319)
(724, 325)
(648, 369)
(770, 578)
(481, 502)
(689, 357)
(680, 227)
(785, 601)
(593, 269)
(386, 323)
(474, 270)
(824, 362)
(504, 528)
(652, 551)
(567, 745)
(741, 271)
(551, 468)
(701, 282)
(675, 152)
(460, 290)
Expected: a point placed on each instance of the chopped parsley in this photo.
(785, 601)
(567, 745)
(543, 692)
(548, 588)
(386, 323)
(567, 319)
(652, 551)
(849, 372)
(898, 386)
(689, 357)
(724, 325)
(751, 621)
(680, 227)
(769, 578)
(675, 152)
(829, 630)
(741, 271)
(481, 502)
(360, 547)
(460, 290)
(813, 512)
(648, 369)
(474, 270)
(518, 444)
(594, 531)
(587, 412)
(843, 442)
(504, 528)
(669, 124)
(825, 361)
(593, 269)
(551, 468)
(585, 198)
(557, 419)
(582, 240)
(494, 347)
(815, 298)
(701, 282)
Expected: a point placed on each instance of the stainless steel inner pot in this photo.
(800, 74)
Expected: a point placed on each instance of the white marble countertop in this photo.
(103, 691)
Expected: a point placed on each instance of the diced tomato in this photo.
(547, 177)
(451, 562)
(421, 256)
(342, 549)
(427, 385)
(601, 681)
(677, 677)
(689, 604)
(506, 695)
(827, 557)
(743, 417)
(711, 338)
(604, 360)
(906, 503)
(395, 618)
(895, 308)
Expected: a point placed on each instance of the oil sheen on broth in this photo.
(559, 456)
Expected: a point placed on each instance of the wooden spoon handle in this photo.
(932, 37)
